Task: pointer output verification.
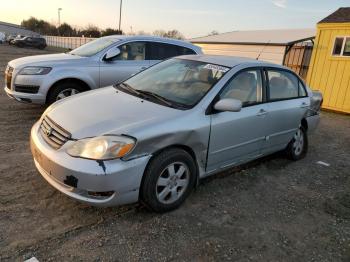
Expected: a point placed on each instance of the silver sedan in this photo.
(152, 137)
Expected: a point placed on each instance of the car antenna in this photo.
(262, 50)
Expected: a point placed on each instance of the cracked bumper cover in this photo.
(57, 167)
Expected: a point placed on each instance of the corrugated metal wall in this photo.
(12, 30)
(270, 53)
(330, 74)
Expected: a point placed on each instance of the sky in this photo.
(192, 18)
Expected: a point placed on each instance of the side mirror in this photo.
(111, 53)
(228, 105)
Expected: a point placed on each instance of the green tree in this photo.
(39, 26)
(66, 30)
(91, 31)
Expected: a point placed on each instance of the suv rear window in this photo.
(162, 51)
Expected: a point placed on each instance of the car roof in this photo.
(228, 61)
(156, 39)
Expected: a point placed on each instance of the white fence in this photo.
(66, 42)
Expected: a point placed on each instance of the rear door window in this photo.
(284, 85)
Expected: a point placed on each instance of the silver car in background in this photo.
(152, 137)
(105, 61)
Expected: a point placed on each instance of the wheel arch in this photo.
(186, 148)
(304, 124)
(82, 83)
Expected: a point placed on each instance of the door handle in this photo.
(261, 112)
(143, 68)
(304, 104)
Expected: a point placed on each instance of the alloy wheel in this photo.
(66, 93)
(172, 182)
(298, 144)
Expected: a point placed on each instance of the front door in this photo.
(131, 60)
(237, 137)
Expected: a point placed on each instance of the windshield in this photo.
(183, 82)
(93, 47)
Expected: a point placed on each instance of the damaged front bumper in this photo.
(98, 183)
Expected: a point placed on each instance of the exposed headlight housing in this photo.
(35, 70)
(102, 147)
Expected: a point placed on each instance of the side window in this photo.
(346, 51)
(341, 46)
(132, 51)
(185, 51)
(162, 51)
(302, 91)
(245, 86)
(283, 85)
(338, 45)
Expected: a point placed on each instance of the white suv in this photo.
(105, 61)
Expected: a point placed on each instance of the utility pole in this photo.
(59, 19)
(120, 14)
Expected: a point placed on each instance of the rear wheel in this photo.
(297, 147)
(168, 180)
(63, 90)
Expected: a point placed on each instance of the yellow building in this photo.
(329, 69)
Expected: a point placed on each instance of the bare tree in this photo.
(214, 32)
(171, 34)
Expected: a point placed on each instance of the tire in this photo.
(56, 91)
(298, 146)
(165, 188)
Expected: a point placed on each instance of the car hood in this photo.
(44, 60)
(107, 111)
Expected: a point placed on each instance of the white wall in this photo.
(272, 54)
(67, 42)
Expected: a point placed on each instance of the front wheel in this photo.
(63, 90)
(298, 146)
(168, 180)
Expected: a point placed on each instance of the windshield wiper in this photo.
(144, 94)
(156, 96)
(129, 88)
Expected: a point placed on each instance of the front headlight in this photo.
(102, 147)
(35, 70)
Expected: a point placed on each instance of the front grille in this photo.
(8, 76)
(27, 89)
(53, 134)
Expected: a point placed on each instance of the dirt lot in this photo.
(271, 210)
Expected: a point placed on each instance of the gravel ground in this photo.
(270, 210)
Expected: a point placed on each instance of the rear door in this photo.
(29, 41)
(131, 60)
(239, 136)
(287, 104)
(157, 51)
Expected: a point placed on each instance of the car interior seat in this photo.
(278, 87)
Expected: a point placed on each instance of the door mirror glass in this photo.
(228, 105)
(111, 53)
